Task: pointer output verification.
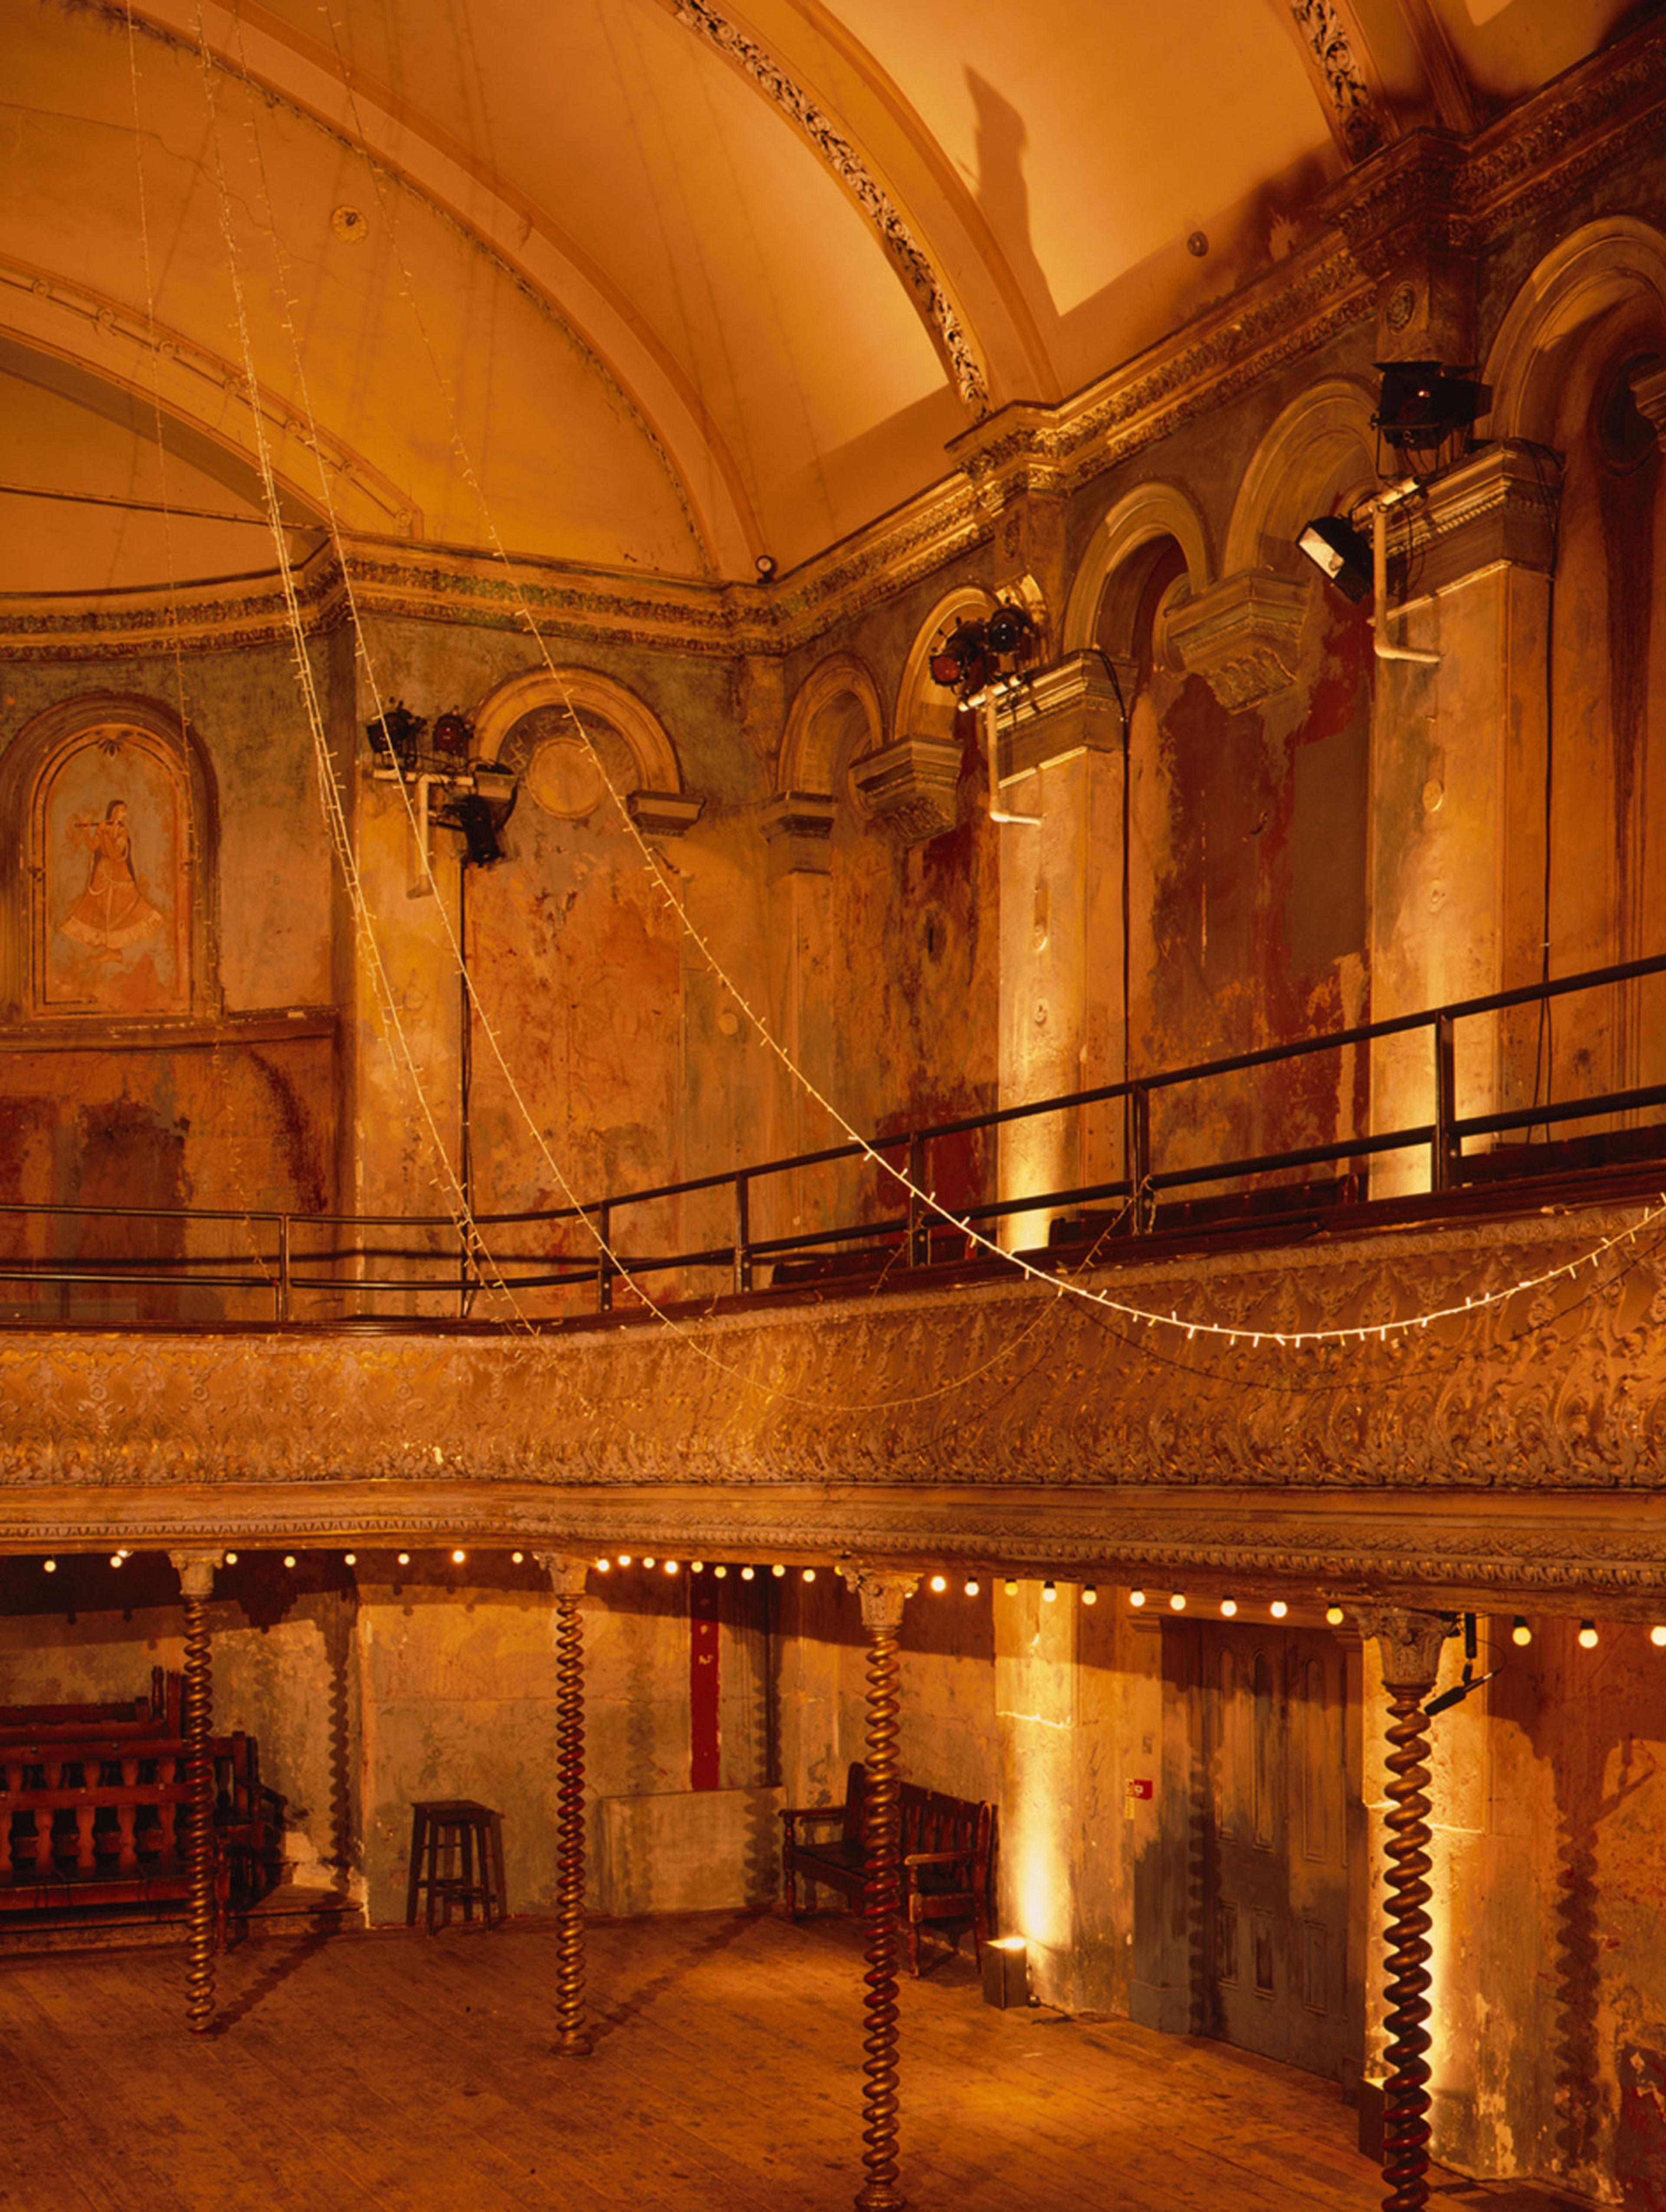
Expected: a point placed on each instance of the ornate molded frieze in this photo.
(1242, 636)
(912, 785)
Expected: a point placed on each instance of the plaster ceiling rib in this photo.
(113, 358)
(1339, 63)
(938, 312)
(247, 41)
(1448, 82)
(1017, 356)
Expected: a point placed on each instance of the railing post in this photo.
(1139, 1152)
(919, 1235)
(743, 1234)
(1443, 1164)
(604, 1264)
(281, 1288)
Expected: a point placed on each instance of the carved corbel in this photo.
(799, 828)
(912, 785)
(1242, 635)
(883, 1596)
(664, 813)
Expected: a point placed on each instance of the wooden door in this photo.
(1276, 1742)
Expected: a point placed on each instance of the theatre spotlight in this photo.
(1010, 632)
(1422, 403)
(960, 663)
(472, 815)
(1340, 552)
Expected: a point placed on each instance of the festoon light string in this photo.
(1062, 1285)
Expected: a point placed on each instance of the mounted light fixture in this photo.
(962, 661)
(1341, 553)
(1424, 403)
(474, 797)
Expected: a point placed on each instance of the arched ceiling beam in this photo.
(249, 42)
(786, 72)
(842, 77)
(108, 358)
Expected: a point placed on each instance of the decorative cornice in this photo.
(837, 153)
(1498, 505)
(912, 785)
(1070, 707)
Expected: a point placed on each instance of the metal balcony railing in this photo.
(301, 1265)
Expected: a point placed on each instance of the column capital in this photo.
(1498, 505)
(883, 1596)
(1409, 1643)
(195, 1568)
(568, 1576)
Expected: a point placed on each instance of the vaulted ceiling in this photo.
(644, 284)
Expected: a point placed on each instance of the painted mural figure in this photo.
(113, 912)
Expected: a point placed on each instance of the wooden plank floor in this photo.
(358, 2073)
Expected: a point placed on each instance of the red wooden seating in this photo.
(948, 1855)
(91, 1811)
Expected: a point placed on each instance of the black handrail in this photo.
(284, 1272)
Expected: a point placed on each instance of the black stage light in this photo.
(1009, 632)
(962, 661)
(1339, 552)
(473, 816)
(1422, 402)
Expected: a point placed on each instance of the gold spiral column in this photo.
(567, 1578)
(883, 1598)
(196, 1573)
(1410, 1646)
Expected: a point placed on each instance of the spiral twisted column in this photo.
(1410, 1646)
(567, 1579)
(196, 1573)
(882, 1597)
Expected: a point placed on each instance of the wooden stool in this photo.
(457, 1856)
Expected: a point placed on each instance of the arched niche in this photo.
(1110, 584)
(1612, 268)
(1319, 451)
(110, 906)
(568, 733)
(835, 718)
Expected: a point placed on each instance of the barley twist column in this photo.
(196, 1572)
(1410, 1646)
(882, 1597)
(567, 1578)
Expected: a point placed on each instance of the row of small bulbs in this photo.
(1520, 1632)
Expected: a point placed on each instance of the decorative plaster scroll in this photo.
(1243, 635)
(912, 785)
(848, 165)
(1409, 1643)
(1355, 117)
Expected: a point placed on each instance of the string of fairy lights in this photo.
(1137, 1315)
(662, 1569)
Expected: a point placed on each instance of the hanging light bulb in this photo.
(697, 1566)
(1049, 1596)
(1136, 1599)
(810, 1574)
(722, 1573)
(517, 1558)
(1229, 1607)
(457, 1557)
(602, 1566)
(649, 1562)
(1658, 1634)
(51, 1566)
(747, 1574)
(670, 1566)
(973, 1588)
(1090, 1596)
(1520, 1632)
(1177, 1602)
(1279, 1608)
(778, 1569)
(1335, 1615)
(1012, 1587)
(349, 1559)
(940, 1583)
(289, 1558)
(1588, 1635)
(231, 1558)
(624, 1559)
(404, 1558)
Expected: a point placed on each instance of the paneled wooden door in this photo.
(1281, 1829)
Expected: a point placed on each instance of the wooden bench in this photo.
(90, 1810)
(947, 1849)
